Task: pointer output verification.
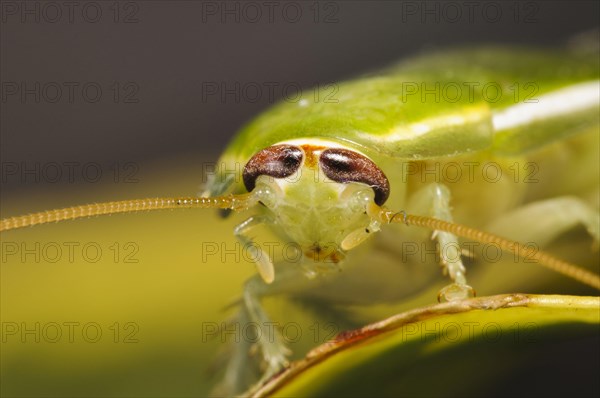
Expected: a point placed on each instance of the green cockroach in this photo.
(500, 139)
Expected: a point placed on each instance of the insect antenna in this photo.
(233, 202)
(243, 201)
(545, 259)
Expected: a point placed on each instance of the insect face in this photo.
(316, 193)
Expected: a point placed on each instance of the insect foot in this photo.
(267, 341)
(275, 355)
(455, 292)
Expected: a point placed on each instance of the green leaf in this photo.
(501, 345)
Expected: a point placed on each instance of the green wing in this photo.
(435, 105)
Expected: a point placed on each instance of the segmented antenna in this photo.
(542, 258)
(234, 202)
(239, 202)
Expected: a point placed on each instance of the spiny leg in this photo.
(434, 200)
(269, 342)
(264, 264)
(241, 369)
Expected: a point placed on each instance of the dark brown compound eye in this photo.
(343, 165)
(277, 161)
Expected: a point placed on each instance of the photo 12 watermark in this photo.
(454, 332)
(51, 252)
(452, 172)
(69, 172)
(69, 92)
(270, 12)
(254, 332)
(268, 92)
(72, 332)
(70, 12)
(469, 92)
(470, 12)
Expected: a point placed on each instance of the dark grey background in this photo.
(167, 50)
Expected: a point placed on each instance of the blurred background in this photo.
(115, 100)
